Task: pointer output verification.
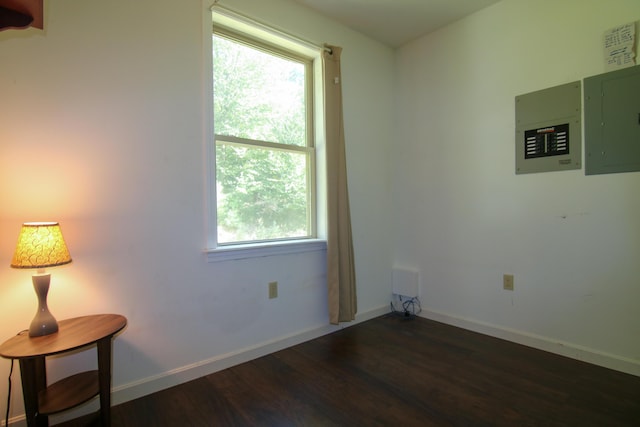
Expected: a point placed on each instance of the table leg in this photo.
(33, 372)
(104, 377)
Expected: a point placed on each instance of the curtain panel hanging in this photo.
(21, 14)
(341, 276)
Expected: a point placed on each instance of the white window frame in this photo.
(252, 29)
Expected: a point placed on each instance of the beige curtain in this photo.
(341, 275)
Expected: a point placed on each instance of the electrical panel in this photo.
(547, 141)
(612, 122)
(548, 129)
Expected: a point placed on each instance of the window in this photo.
(264, 144)
(266, 93)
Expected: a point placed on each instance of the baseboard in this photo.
(573, 351)
(199, 369)
(190, 372)
(145, 386)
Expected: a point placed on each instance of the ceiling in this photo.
(396, 22)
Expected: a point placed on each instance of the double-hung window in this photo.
(265, 156)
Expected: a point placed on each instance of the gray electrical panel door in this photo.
(612, 122)
(548, 129)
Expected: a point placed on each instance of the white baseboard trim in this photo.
(145, 386)
(573, 351)
(199, 369)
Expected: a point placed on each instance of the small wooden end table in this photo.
(41, 400)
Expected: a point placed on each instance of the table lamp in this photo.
(41, 245)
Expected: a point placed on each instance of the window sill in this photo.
(238, 252)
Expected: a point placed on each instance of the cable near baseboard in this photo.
(410, 307)
(6, 417)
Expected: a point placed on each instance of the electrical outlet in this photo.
(507, 282)
(273, 290)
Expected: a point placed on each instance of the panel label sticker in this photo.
(547, 141)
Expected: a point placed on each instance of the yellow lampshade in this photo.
(40, 245)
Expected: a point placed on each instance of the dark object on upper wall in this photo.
(21, 14)
(612, 122)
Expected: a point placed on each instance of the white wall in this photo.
(102, 129)
(464, 218)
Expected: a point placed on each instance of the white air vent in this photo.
(406, 282)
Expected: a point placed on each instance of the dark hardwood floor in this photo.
(395, 372)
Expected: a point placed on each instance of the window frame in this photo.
(260, 36)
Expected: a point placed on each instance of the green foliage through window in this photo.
(263, 160)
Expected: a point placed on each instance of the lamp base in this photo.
(43, 323)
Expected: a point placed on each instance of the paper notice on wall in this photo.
(619, 47)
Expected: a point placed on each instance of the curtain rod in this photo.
(269, 28)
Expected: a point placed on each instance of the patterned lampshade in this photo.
(40, 245)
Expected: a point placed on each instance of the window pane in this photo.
(263, 194)
(258, 95)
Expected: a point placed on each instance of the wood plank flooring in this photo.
(395, 372)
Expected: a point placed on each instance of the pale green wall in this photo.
(102, 129)
(464, 218)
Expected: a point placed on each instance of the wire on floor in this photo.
(409, 307)
(6, 417)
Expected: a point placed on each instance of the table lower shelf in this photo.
(68, 393)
